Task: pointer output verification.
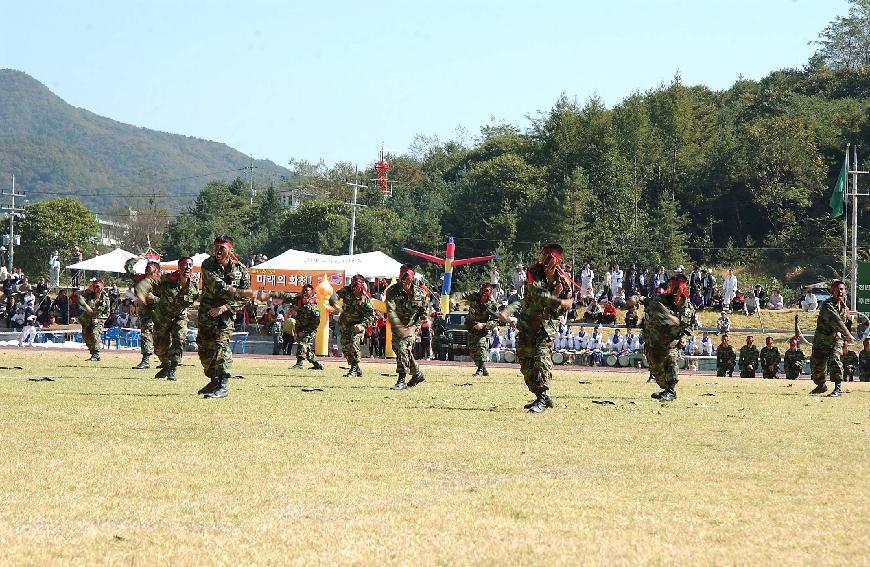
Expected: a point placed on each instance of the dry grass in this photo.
(104, 465)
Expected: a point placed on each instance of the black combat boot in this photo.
(483, 370)
(351, 372)
(540, 403)
(836, 393)
(163, 372)
(650, 380)
(143, 364)
(95, 357)
(316, 365)
(400, 383)
(221, 390)
(416, 379)
(820, 389)
(170, 375)
(209, 388)
(357, 371)
(479, 371)
(669, 394)
(299, 364)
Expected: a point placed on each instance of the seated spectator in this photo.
(41, 287)
(510, 337)
(706, 347)
(619, 298)
(494, 346)
(123, 320)
(608, 315)
(592, 313)
(809, 302)
(760, 295)
(130, 293)
(723, 324)
(691, 346)
(738, 303)
(697, 299)
(863, 327)
(18, 319)
(775, 301)
(631, 317)
(752, 304)
(29, 300)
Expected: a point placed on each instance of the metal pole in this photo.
(353, 213)
(854, 296)
(252, 180)
(845, 216)
(12, 228)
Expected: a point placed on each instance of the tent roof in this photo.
(197, 261)
(109, 262)
(369, 264)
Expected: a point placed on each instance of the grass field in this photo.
(105, 465)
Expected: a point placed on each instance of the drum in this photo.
(509, 356)
(610, 360)
(622, 360)
(557, 357)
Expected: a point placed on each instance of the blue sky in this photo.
(331, 80)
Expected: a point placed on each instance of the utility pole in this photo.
(251, 178)
(854, 171)
(12, 211)
(353, 207)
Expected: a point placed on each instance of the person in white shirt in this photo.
(581, 339)
(595, 343)
(28, 300)
(562, 339)
(494, 346)
(607, 288)
(723, 324)
(510, 337)
(809, 302)
(518, 279)
(775, 301)
(632, 342)
(615, 344)
(619, 298)
(586, 275)
(706, 345)
(54, 270)
(28, 333)
(130, 293)
(615, 278)
(751, 303)
(691, 346)
(729, 288)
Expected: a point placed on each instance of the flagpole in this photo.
(845, 216)
(854, 298)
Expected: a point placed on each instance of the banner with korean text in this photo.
(292, 280)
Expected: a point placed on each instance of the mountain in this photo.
(55, 149)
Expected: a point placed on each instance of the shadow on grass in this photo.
(129, 394)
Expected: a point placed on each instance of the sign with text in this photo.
(862, 301)
(292, 280)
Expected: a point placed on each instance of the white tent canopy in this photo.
(197, 262)
(369, 264)
(109, 262)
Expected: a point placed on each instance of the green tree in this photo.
(54, 224)
(845, 42)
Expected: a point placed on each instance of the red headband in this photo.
(404, 271)
(185, 260)
(229, 245)
(553, 252)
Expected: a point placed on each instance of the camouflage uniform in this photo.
(748, 361)
(770, 359)
(726, 359)
(537, 328)
(92, 323)
(827, 344)
(170, 316)
(661, 340)
(405, 311)
(864, 366)
(355, 311)
(480, 312)
(143, 286)
(794, 363)
(219, 287)
(850, 365)
(307, 321)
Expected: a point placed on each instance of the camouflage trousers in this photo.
(406, 364)
(305, 347)
(146, 340)
(170, 337)
(792, 373)
(350, 343)
(769, 371)
(91, 334)
(533, 354)
(747, 371)
(724, 369)
(214, 349)
(825, 360)
(478, 346)
(663, 363)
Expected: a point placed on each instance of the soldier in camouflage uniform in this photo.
(176, 292)
(94, 305)
(407, 308)
(145, 300)
(793, 360)
(547, 295)
(726, 358)
(828, 341)
(850, 363)
(668, 319)
(748, 359)
(770, 359)
(225, 283)
(864, 362)
(307, 320)
(356, 314)
(481, 320)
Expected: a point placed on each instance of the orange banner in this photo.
(292, 280)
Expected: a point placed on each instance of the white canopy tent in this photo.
(369, 264)
(172, 265)
(109, 262)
